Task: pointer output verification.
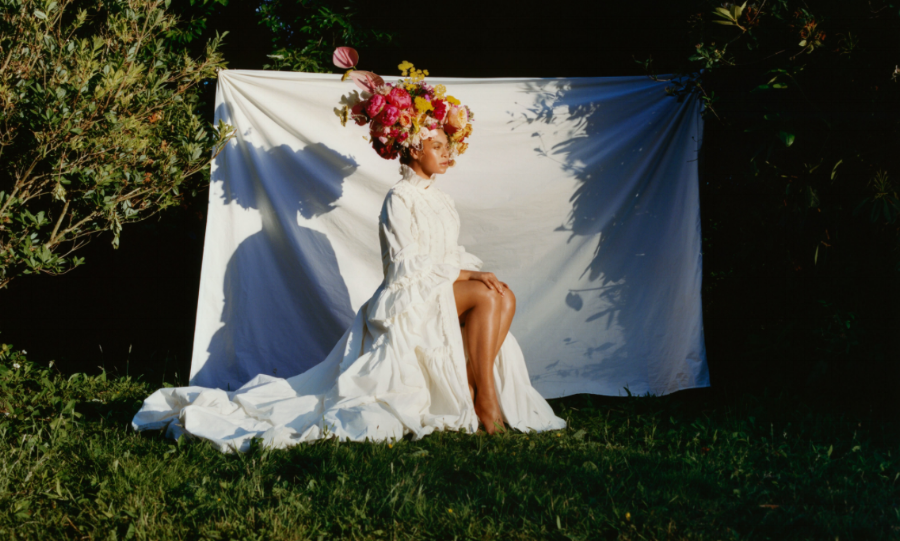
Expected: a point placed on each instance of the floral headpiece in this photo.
(404, 114)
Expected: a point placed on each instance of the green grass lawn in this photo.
(686, 466)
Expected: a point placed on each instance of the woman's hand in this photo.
(489, 280)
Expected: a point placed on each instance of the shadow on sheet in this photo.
(629, 159)
(284, 275)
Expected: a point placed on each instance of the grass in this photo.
(685, 466)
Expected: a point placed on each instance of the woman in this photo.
(431, 349)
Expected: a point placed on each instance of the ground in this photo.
(692, 465)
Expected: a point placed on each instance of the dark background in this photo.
(132, 310)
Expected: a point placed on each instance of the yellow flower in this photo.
(449, 510)
(459, 135)
(452, 100)
(405, 66)
(415, 75)
(423, 105)
(410, 87)
(627, 516)
(439, 91)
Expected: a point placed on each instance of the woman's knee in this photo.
(488, 298)
(508, 301)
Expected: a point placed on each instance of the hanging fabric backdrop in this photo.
(581, 194)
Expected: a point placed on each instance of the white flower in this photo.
(51, 364)
(24, 352)
(16, 366)
(425, 133)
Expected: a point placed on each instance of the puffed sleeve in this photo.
(468, 261)
(411, 276)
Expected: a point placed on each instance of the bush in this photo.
(98, 125)
(798, 178)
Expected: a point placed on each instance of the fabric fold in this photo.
(469, 261)
(411, 281)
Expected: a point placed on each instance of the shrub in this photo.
(98, 125)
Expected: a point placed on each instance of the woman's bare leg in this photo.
(507, 311)
(487, 317)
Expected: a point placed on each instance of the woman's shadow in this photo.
(286, 303)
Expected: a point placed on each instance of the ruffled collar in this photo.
(413, 178)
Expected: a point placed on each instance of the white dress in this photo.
(399, 369)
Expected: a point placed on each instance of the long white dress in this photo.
(399, 369)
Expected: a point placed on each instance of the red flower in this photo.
(389, 115)
(375, 104)
(440, 109)
(386, 151)
(399, 98)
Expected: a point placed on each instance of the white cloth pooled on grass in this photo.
(399, 369)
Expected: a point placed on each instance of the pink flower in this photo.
(375, 104)
(395, 132)
(345, 57)
(389, 115)
(366, 80)
(403, 136)
(440, 109)
(400, 98)
(405, 118)
(457, 119)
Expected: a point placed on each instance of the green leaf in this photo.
(786, 138)
(834, 170)
(40, 14)
(722, 12)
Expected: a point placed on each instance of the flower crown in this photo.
(404, 114)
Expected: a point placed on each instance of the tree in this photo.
(98, 124)
(799, 192)
(306, 32)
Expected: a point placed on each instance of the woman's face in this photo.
(434, 158)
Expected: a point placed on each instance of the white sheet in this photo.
(581, 194)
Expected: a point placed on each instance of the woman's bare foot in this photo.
(489, 413)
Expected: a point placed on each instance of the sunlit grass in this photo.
(676, 467)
